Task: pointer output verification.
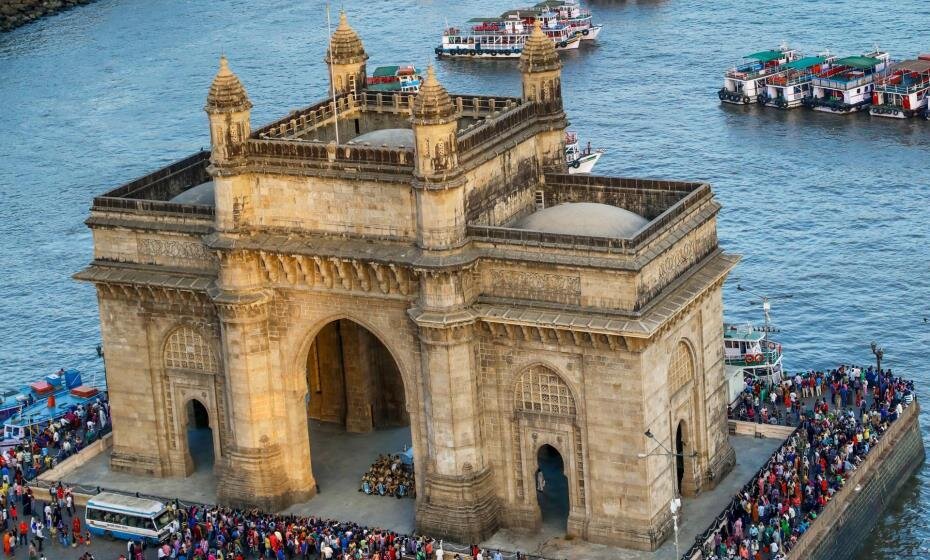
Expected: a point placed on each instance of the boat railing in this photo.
(833, 83)
(768, 357)
(885, 86)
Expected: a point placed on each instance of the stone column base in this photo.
(630, 533)
(460, 508)
(133, 462)
(255, 478)
(720, 466)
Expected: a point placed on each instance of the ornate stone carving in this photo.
(159, 247)
(535, 285)
(669, 266)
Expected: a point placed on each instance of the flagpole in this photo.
(332, 78)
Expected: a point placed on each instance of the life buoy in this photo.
(585, 32)
(745, 99)
(562, 44)
(749, 358)
(895, 112)
(758, 358)
(493, 53)
(576, 164)
(771, 345)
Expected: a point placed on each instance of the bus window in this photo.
(163, 519)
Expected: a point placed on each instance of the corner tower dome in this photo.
(226, 92)
(345, 47)
(539, 52)
(432, 104)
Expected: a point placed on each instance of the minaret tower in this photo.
(541, 70)
(441, 202)
(346, 58)
(229, 109)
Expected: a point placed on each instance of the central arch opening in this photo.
(679, 457)
(552, 488)
(359, 426)
(199, 435)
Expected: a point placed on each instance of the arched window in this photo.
(187, 349)
(681, 368)
(541, 390)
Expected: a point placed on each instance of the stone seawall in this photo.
(837, 534)
(14, 13)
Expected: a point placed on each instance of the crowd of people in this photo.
(227, 534)
(60, 439)
(766, 519)
(389, 476)
(846, 387)
(27, 522)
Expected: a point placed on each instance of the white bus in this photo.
(130, 518)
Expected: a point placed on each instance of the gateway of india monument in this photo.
(382, 259)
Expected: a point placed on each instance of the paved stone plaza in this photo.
(343, 457)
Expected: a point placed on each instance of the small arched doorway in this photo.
(357, 413)
(679, 457)
(199, 435)
(552, 488)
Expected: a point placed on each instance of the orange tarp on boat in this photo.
(84, 391)
(41, 387)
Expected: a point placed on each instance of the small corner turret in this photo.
(541, 72)
(229, 110)
(346, 58)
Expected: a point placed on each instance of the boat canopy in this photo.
(766, 56)
(861, 62)
(919, 66)
(805, 63)
(485, 20)
(385, 71)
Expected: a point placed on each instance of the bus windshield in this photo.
(163, 519)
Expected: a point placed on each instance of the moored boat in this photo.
(394, 78)
(749, 353)
(846, 86)
(502, 38)
(14, 400)
(789, 87)
(901, 91)
(579, 160)
(579, 20)
(743, 83)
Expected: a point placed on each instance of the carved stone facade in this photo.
(492, 341)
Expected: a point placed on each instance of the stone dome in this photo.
(390, 137)
(539, 53)
(584, 218)
(433, 103)
(200, 195)
(345, 47)
(226, 91)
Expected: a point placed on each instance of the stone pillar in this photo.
(359, 378)
(256, 470)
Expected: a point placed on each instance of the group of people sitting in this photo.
(228, 534)
(766, 519)
(389, 476)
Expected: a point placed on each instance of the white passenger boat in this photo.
(749, 353)
(570, 12)
(743, 83)
(789, 87)
(579, 160)
(502, 38)
(846, 86)
(902, 90)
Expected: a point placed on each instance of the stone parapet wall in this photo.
(740, 428)
(838, 533)
(14, 13)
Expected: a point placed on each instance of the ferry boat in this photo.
(789, 87)
(570, 12)
(743, 83)
(846, 86)
(14, 400)
(579, 160)
(502, 38)
(901, 92)
(749, 353)
(394, 78)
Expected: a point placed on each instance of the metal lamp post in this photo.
(675, 504)
(879, 354)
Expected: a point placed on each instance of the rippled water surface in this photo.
(832, 210)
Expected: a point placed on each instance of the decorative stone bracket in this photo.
(334, 273)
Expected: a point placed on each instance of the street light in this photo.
(879, 354)
(675, 505)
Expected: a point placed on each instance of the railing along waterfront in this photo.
(699, 550)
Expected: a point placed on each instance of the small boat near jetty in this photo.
(901, 92)
(14, 400)
(749, 353)
(394, 78)
(789, 87)
(743, 83)
(503, 38)
(579, 160)
(579, 20)
(846, 86)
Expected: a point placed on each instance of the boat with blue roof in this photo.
(846, 86)
(789, 87)
(744, 82)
